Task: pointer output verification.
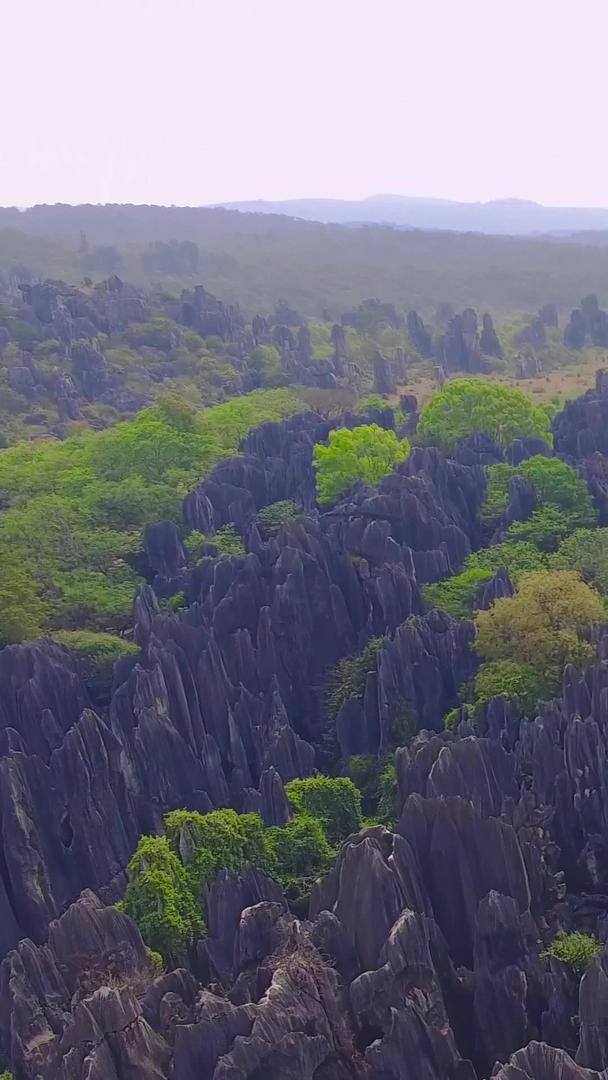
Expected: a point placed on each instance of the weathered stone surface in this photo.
(488, 342)
(423, 953)
(541, 1062)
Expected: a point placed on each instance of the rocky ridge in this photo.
(422, 954)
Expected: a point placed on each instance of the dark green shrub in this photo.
(276, 514)
(545, 528)
(388, 795)
(558, 488)
(336, 803)
(300, 854)
(585, 551)
(497, 492)
(226, 540)
(173, 603)
(450, 718)
(522, 682)
(363, 770)
(515, 556)
(155, 962)
(347, 678)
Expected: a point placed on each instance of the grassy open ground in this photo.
(565, 382)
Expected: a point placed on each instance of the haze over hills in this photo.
(503, 216)
(255, 259)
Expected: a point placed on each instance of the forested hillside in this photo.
(253, 259)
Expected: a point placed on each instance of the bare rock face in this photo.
(488, 342)
(508, 977)
(580, 429)
(548, 315)
(87, 946)
(384, 380)
(593, 1046)
(419, 335)
(498, 586)
(541, 1062)
(575, 331)
(208, 315)
(459, 348)
(533, 335)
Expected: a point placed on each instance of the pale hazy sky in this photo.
(196, 101)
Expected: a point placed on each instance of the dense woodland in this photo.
(253, 259)
(302, 675)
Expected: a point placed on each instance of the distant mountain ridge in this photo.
(519, 217)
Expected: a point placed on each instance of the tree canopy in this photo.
(563, 500)
(76, 508)
(366, 453)
(541, 624)
(585, 551)
(465, 406)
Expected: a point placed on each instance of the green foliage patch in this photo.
(168, 874)
(226, 540)
(541, 625)
(577, 950)
(300, 853)
(100, 650)
(466, 406)
(524, 683)
(76, 508)
(586, 552)
(271, 517)
(347, 678)
(336, 803)
(564, 503)
(159, 898)
(456, 594)
(366, 453)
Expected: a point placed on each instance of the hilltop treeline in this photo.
(320, 267)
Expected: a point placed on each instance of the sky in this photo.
(190, 102)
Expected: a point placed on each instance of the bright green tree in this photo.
(221, 839)
(363, 453)
(160, 899)
(98, 650)
(465, 406)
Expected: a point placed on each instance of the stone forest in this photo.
(303, 688)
